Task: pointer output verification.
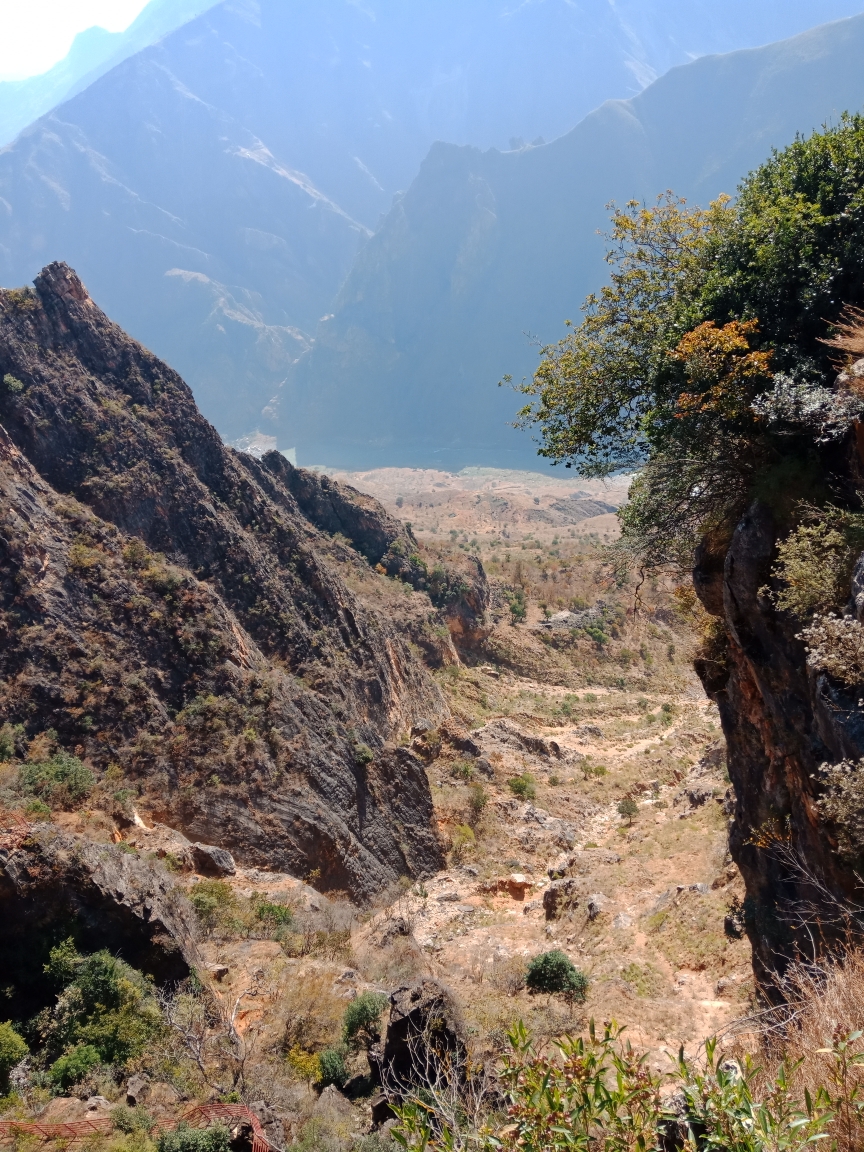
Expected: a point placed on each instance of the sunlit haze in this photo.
(38, 33)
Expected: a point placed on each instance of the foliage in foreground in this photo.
(598, 1094)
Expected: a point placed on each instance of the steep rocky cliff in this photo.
(179, 616)
(783, 722)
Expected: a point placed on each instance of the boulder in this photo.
(596, 904)
(335, 1108)
(137, 1090)
(517, 885)
(560, 897)
(423, 1041)
(212, 861)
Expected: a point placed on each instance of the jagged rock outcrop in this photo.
(423, 1044)
(53, 885)
(781, 723)
(168, 608)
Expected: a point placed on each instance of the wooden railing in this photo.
(76, 1131)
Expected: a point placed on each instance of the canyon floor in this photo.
(553, 726)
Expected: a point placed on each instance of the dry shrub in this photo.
(310, 1011)
(400, 961)
(824, 1007)
(836, 645)
(507, 974)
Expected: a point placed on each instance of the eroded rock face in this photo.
(780, 724)
(54, 885)
(423, 1042)
(168, 606)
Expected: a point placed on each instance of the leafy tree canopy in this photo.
(704, 361)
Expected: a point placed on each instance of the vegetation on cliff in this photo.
(705, 361)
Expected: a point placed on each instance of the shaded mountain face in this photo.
(487, 249)
(169, 608)
(214, 189)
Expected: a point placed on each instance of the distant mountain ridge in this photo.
(486, 248)
(215, 188)
(93, 53)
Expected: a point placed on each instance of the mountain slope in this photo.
(233, 683)
(93, 53)
(488, 246)
(214, 189)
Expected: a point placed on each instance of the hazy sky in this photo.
(35, 34)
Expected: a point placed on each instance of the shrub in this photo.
(835, 645)
(129, 1120)
(274, 915)
(517, 603)
(72, 1067)
(554, 973)
(842, 804)
(477, 801)
(815, 562)
(462, 839)
(63, 781)
(332, 1067)
(11, 736)
(105, 1005)
(362, 1017)
(627, 809)
(522, 786)
(12, 1051)
(306, 1065)
(462, 770)
(363, 754)
(12, 384)
(186, 1139)
(212, 900)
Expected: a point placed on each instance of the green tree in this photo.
(13, 1049)
(186, 1139)
(627, 809)
(360, 1024)
(332, 1065)
(63, 781)
(555, 974)
(104, 1006)
(73, 1066)
(707, 360)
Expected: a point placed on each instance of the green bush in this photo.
(63, 781)
(517, 603)
(105, 1007)
(11, 738)
(362, 1017)
(186, 1139)
(462, 839)
(815, 562)
(13, 1049)
(72, 1067)
(555, 974)
(129, 1120)
(477, 801)
(213, 901)
(522, 786)
(333, 1069)
(274, 915)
